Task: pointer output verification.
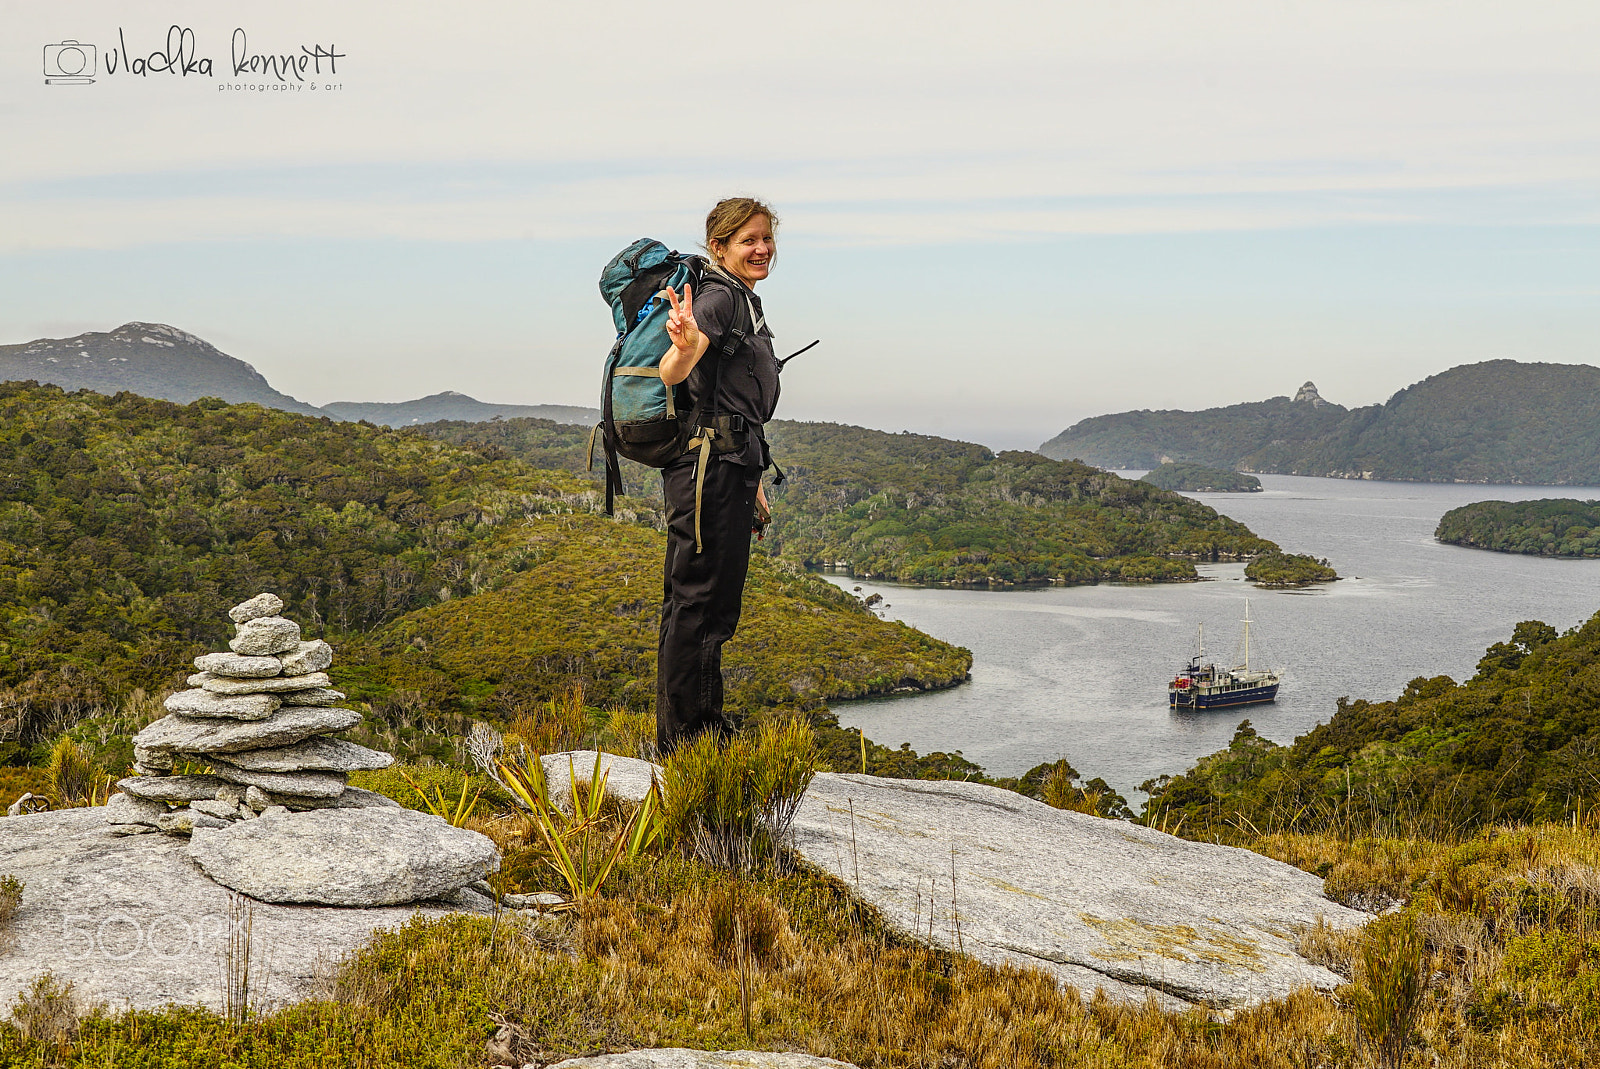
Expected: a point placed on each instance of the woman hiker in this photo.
(702, 591)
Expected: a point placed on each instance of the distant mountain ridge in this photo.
(1500, 421)
(161, 361)
(149, 359)
(450, 405)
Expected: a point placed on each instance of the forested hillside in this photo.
(127, 526)
(1496, 422)
(1552, 527)
(1520, 741)
(1216, 437)
(920, 509)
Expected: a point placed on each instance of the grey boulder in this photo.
(1099, 903)
(232, 664)
(344, 857)
(627, 779)
(299, 784)
(290, 724)
(204, 703)
(126, 809)
(257, 607)
(172, 788)
(276, 685)
(265, 635)
(310, 657)
(318, 754)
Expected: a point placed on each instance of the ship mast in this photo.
(1247, 635)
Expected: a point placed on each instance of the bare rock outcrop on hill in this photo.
(1099, 903)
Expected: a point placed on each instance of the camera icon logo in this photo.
(69, 63)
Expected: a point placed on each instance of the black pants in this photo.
(701, 594)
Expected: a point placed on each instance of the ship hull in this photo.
(1197, 698)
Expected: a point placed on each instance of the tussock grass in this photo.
(730, 801)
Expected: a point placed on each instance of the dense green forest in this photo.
(129, 525)
(920, 509)
(1496, 422)
(1520, 741)
(1550, 527)
(1197, 478)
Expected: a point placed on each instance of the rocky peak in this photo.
(1308, 392)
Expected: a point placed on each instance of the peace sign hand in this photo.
(681, 327)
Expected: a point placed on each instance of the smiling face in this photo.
(748, 254)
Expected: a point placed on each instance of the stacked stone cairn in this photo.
(259, 718)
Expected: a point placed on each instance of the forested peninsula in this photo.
(920, 509)
(1199, 479)
(1500, 421)
(1549, 527)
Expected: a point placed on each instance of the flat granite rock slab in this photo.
(344, 857)
(204, 703)
(320, 754)
(277, 685)
(1088, 899)
(238, 666)
(298, 784)
(683, 1058)
(352, 798)
(314, 696)
(289, 725)
(130, 920)
(173, 788)
(309, 657)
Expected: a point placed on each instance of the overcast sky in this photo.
(1000, 218)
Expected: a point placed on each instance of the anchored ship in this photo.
(1205, 686)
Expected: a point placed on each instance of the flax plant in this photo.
(457, 814)
(580, 850)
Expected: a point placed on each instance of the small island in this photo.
(1289, 569)
(1549, 527)
(1199, 479)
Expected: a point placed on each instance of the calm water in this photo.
(1081, 672)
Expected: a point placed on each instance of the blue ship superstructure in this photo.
(1205, 686)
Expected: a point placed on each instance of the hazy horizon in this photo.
(998, 224)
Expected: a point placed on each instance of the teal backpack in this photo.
(642, 418)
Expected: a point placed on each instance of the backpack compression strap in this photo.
(705, 435)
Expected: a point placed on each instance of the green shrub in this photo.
(74, 780)
(10, 902)
(1387, 995)
(730, 802)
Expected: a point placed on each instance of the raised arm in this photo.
(689, 343)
